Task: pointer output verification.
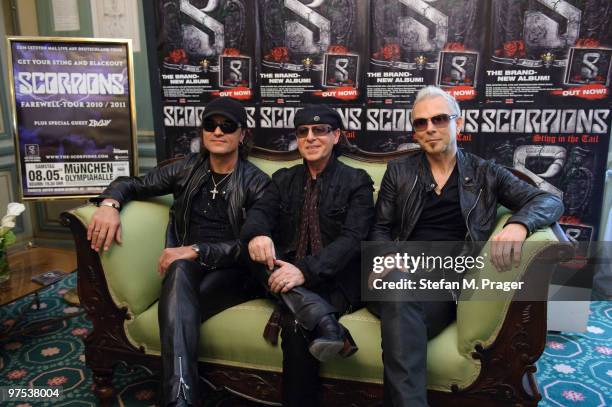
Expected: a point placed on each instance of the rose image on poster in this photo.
(278, 54)
(454, 46)
(390, 52)
(514, 49)
(587, 43)
(231, 52)
(337, 49)
(177, 56)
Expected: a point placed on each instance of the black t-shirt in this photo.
(209, 219)
(441, 218)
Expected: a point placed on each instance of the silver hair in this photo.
(429, 92)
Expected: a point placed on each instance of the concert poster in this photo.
(549, 51)
(206, 50)
(415, 43)
(564, 150)
(311, 51)
(73, 112)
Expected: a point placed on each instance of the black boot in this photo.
(315, 315)
(331, 339)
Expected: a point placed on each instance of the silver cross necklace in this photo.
(215, 191)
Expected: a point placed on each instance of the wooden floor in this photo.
(30, 262)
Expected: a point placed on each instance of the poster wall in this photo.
(73, 108)
(532, 78)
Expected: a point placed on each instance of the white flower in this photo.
(8, 222)
(15, 208)
(561, 368)
(595, 330)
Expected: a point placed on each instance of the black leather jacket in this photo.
(482, 185)
(183, 179)
(346, 212)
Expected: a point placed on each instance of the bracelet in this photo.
(111, 204)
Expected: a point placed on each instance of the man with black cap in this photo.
(307, 230)
(213, 190)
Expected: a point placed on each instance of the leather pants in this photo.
(190, 295)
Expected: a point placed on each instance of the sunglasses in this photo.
(226, 126)
(439, 121)
(317, 131)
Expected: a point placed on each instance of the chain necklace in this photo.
(215, 191)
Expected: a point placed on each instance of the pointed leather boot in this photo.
(331, 340)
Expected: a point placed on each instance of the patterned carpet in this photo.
(575, 370)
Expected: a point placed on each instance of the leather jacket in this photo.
(482, 185)
(346, 212)
(183, 179)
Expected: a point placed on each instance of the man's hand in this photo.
(506, 246)
(105, 226)
(285, 277)
(261, 250)
(174, 253)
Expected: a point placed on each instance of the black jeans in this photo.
(190, 295)
(405, 329)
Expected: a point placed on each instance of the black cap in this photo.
(227, 107)
(318, 114)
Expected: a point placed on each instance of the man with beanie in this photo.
(203, 266)
(307, 231)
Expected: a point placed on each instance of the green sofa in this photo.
(485, 358)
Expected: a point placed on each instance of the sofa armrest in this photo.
(129, 269)
(479, 322)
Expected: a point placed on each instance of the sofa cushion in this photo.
(234, 337)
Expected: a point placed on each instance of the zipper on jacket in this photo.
(407, 198)
(467, 218)
(182, 385)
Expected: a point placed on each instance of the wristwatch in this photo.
(111, 204)
(195, 248)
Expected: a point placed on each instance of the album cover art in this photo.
(587, 66)
(457, 68)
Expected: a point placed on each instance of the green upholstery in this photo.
(234, 337)
(131, 268)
